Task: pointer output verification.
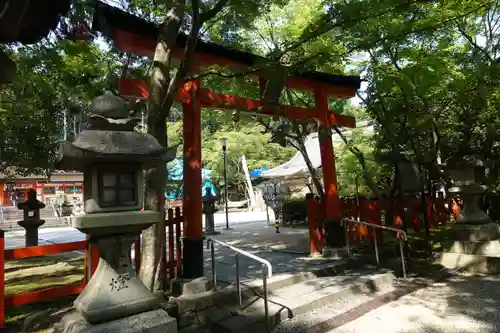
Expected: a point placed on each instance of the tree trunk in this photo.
(152, 271)
(312, 171)
(361, 159)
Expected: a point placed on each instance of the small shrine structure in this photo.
(133, 34)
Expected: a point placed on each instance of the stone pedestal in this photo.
(154, 321)
(114, 291)
(474, 248)
(210, 225)
(182, 286)
(471, 213)
(31, 226)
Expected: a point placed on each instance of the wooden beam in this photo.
(213, 100)
(144, 46)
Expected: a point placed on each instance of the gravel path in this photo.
(463, 304)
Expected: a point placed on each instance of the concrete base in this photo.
(191, 286)
(471, 262)
(484, 248)
(474, 233)
(146, 322)
(473, 248)
(211, 233)
(334, 253)
(192, 268)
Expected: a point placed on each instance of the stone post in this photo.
(31, 218)
(209, 211)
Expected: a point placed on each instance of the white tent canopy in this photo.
(297, 166)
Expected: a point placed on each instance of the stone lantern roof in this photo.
(110, 138)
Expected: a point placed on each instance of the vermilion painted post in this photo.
(429, 211)
(178, 255)
(2, 279)
(440, 208)
(94, 258)
(364, 214)
(311, 223)
(319, 211)
(86, 269)
(377, 219)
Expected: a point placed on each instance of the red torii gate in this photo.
(132, 34)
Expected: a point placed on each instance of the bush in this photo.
(295, 211)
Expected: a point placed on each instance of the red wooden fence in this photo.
(371, 211)
(173, 263)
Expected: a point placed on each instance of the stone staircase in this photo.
(297, 302)
(12, 215)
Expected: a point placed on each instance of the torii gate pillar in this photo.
(192, 240)
(335, 237)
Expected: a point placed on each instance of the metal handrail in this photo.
(267, 272)
(404, 237)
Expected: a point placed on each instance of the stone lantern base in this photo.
(115, 300)
(114, 291)
(147, 322)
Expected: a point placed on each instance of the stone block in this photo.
(473, 233)
(471, 262)
(191, 286)
(485, 248)
(334, 253)
(147, 322)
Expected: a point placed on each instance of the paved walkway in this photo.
(287, 251)
(463, 304)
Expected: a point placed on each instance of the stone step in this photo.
(334, 314)
(473, 263)
(485, 248)
(251, 287)
(296, 299)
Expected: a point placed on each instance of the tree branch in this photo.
(473, 42)
(185, 65)
(209, 14)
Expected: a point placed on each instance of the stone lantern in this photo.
(31, 218)
(112, 157)
(466, 176)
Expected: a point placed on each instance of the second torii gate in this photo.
(133, 34)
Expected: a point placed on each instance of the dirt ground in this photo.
(26, 275)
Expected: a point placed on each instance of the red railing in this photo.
(174, 246)
(173, 264)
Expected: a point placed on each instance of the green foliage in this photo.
(294, 210)
(51, 78)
